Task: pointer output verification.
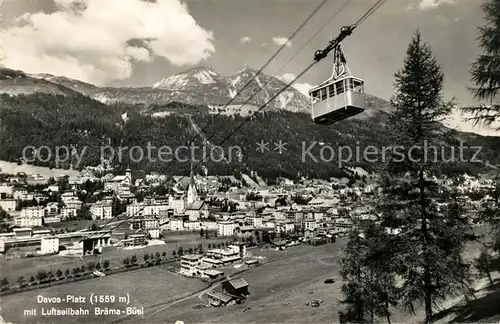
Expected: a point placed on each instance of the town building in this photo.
(176, 224)
(197, 210)
(23, 232)
(49, 245)
(192, 225)
(189, 264)
(178, 204)
(232, 291)
(226, 228)
(68, 212)
(23, 194)
(257, 221)
(69, 198)
(101, 211)
(8, 205)
(52, 219)
(236, 287)
(52, 209)
(95, 241)
(7, 189)
(145, 223)
(120, 183)
(154, 233)
(135, 240)
(33, 212)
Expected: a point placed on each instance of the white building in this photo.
(33, 212)
(226, 228)
(120, 182)
(176, 224)
(53, 188)
(154, 233)
(7, 189)
(8, 204)
(101, 211)
(68, 212)
(142, 209)
(49, 245)
(52, 208)
(310, 225)
(192, 225)
(197, 210)
(257, 221)
(189, 264)
(28, 221)
(285, 227)
(178, 205)
(23, 194)
(52, 219)
(69, 198)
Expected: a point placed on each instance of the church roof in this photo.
(197, 205)
(119, 178)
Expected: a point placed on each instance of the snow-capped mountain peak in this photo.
(199, 76)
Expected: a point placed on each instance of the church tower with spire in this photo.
(192, 194)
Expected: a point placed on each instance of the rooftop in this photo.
(196, 205)
(22, 229)
(192, 257)
(231, 258)
(212, 272)
(219, 296)
(238, 283)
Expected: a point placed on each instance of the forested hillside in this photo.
(79, 121)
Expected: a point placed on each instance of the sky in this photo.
(136, 43)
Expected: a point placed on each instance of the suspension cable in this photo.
(302, 25)
(325, 52)
(370, 11)
(296, 53)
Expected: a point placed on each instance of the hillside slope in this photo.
(15, 82)
(81, 122)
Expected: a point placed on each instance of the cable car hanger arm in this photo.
(344, 32)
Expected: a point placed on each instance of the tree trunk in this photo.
(387, 313)
(372, 302)
(427, 275)
(488, 267)
(489, 277)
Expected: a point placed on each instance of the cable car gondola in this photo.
(339, 97)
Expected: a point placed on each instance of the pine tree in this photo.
(426, 251)
(352, 289)
(485, 71)
(490, 215)
(368, 276)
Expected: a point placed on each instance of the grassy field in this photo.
(156, 286)
(288, 276)
(13, 168)
(279, 290)
(27, 267)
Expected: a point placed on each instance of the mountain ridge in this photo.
(184, 87)
(198, 85)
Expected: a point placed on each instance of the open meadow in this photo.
(12, 269)
(280, 289)
(14, 168)
(145, 287)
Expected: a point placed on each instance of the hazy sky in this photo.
(135, 43)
